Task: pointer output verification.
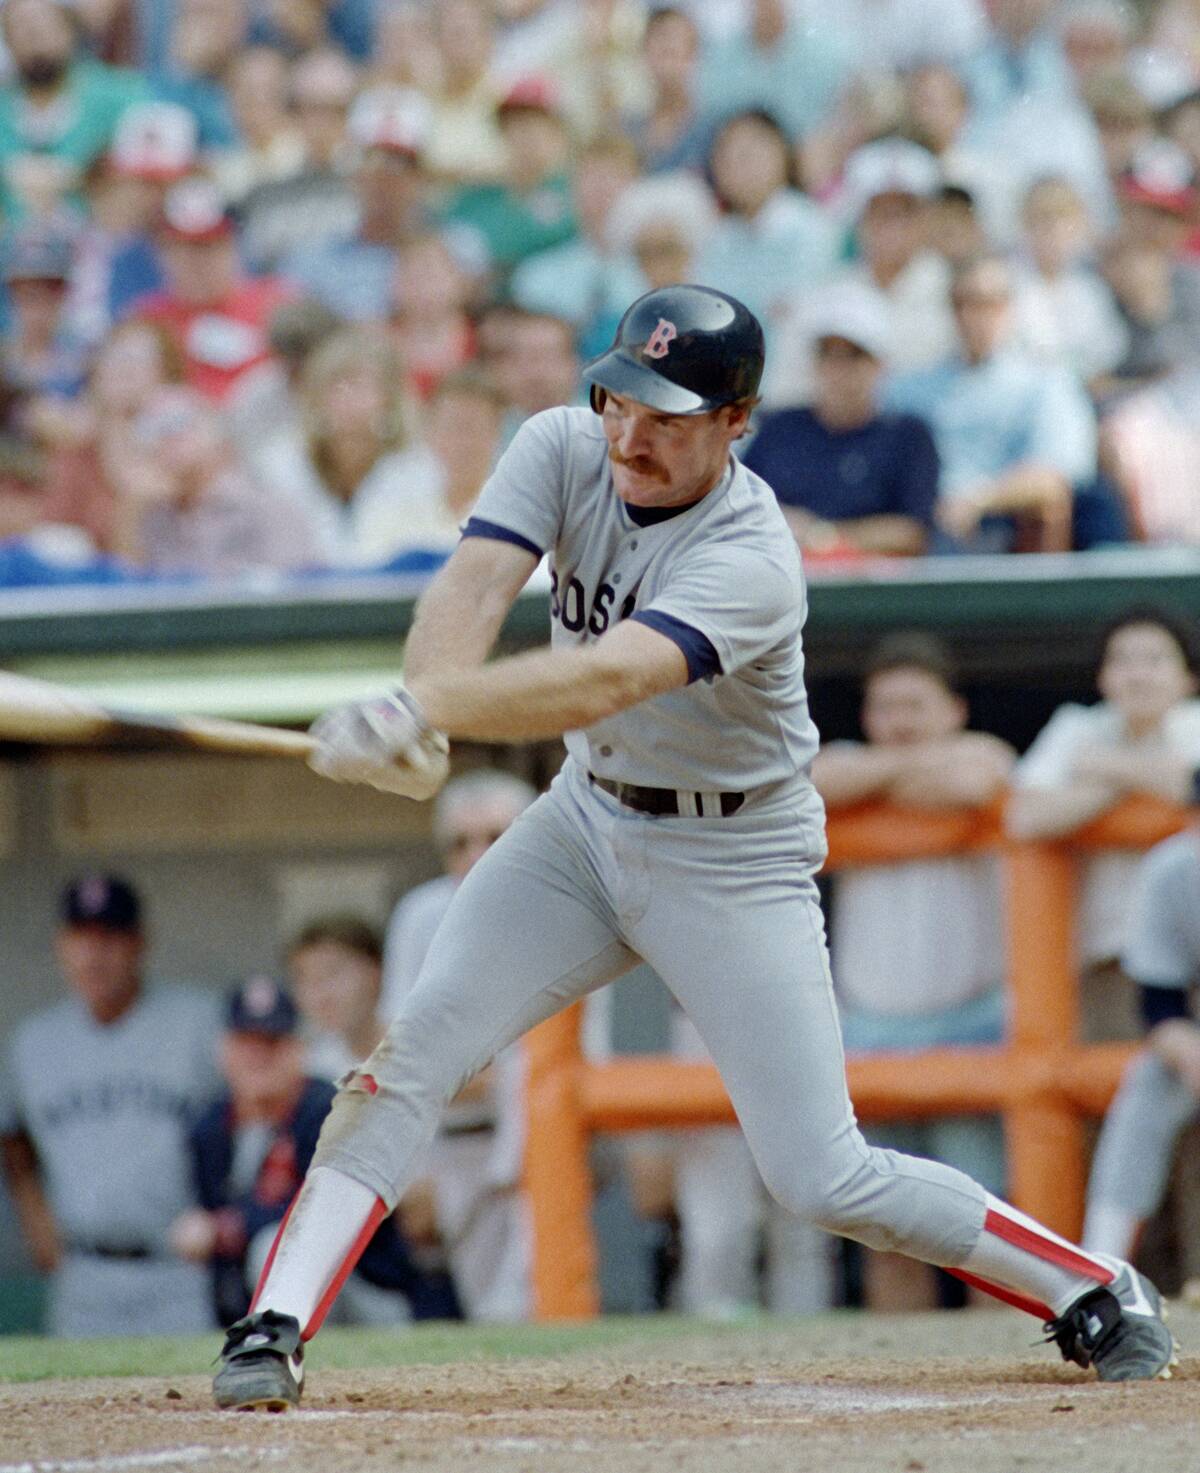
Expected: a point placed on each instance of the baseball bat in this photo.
(40, 711)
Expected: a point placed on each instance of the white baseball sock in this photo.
(328, 1225)
(1019, 1253)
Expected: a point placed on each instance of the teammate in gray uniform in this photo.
(1160, 1093)
(682, 830)
(96, 1098)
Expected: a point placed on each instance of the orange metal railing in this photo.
(1042, 1080)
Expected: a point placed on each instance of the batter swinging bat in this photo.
(39, 711)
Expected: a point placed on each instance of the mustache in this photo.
(639, 463)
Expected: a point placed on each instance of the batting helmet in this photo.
(683, 350)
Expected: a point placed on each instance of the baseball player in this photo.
(1160, 1093)
(683, 830)
(97, 1094)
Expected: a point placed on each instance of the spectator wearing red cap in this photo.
(530, 208)
(353, 274)
(1157, 287)
(60, 106)
(218, 316)
(116, 261)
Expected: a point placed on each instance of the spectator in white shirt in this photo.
(1142, 737)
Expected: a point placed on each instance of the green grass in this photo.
(35, 1358)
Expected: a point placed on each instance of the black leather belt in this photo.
(667, 802)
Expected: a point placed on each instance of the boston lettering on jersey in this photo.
(574, 609)
(129, 1095)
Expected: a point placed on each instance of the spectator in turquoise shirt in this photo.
(60, 105)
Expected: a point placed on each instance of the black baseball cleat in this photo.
(1118, 1329)
(262, 1364)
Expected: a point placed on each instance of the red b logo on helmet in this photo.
(660, 339)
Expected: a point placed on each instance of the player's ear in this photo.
(739, 416)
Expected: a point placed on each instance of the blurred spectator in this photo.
(1096, 36)
(955, 230)
(1015, 436)
(1174, 28)
(95, 1103)
(92, 445)
(1143, 736)
(661, 222)
(355, 467)
(249, 1152)
(1150, 445)
(217, 315)
(405, 53)
(770, 242)
(895, 35)
(296, 26)
(475, 1163)
(886, 193)
(1065, 311)
(1025, 109)
(850, 477)
(1124, 121)
(205, 38)
(186, 505)
(465, 142)
(776, 63)
(589, 281)
(116, 261)
(41, 357)
(268, 146)
(272, 398)
(1181, 125)
(23, 477)
(430, 320)
(335, 971)
(940, 917)
(1156, 288)
(937, 109)
(58, 112)
(528, 208)
(316, 201)
(671, 133)
(354, 274)
(535, 365)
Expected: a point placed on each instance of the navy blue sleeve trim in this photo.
(477, 527)
(1161, 1004)
(702, 659)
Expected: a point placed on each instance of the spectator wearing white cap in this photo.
(771, 242)
(117, 261)
(352, 274)
(590, 280)
(1015, 435)
(886, 193)
(775, 61)
(662, 222)
(850, 476)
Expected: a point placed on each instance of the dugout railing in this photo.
(1042, 1080)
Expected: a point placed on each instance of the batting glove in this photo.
(385, 742)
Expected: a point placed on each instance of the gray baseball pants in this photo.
(1137, 1141)
(726, 911)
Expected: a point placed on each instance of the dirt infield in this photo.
(843, 1395)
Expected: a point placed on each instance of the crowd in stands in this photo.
(279, 282)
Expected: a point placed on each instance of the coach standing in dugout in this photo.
(96, 1097)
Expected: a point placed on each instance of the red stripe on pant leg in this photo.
(1065, 1256)
(1009, 1296)
(266, 1268)
(374, 1218)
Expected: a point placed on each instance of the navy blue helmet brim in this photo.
(622, 374)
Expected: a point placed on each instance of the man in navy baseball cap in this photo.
(259, 1005)
(105, 901)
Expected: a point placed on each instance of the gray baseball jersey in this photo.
(722, 579)
(107, 1109)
